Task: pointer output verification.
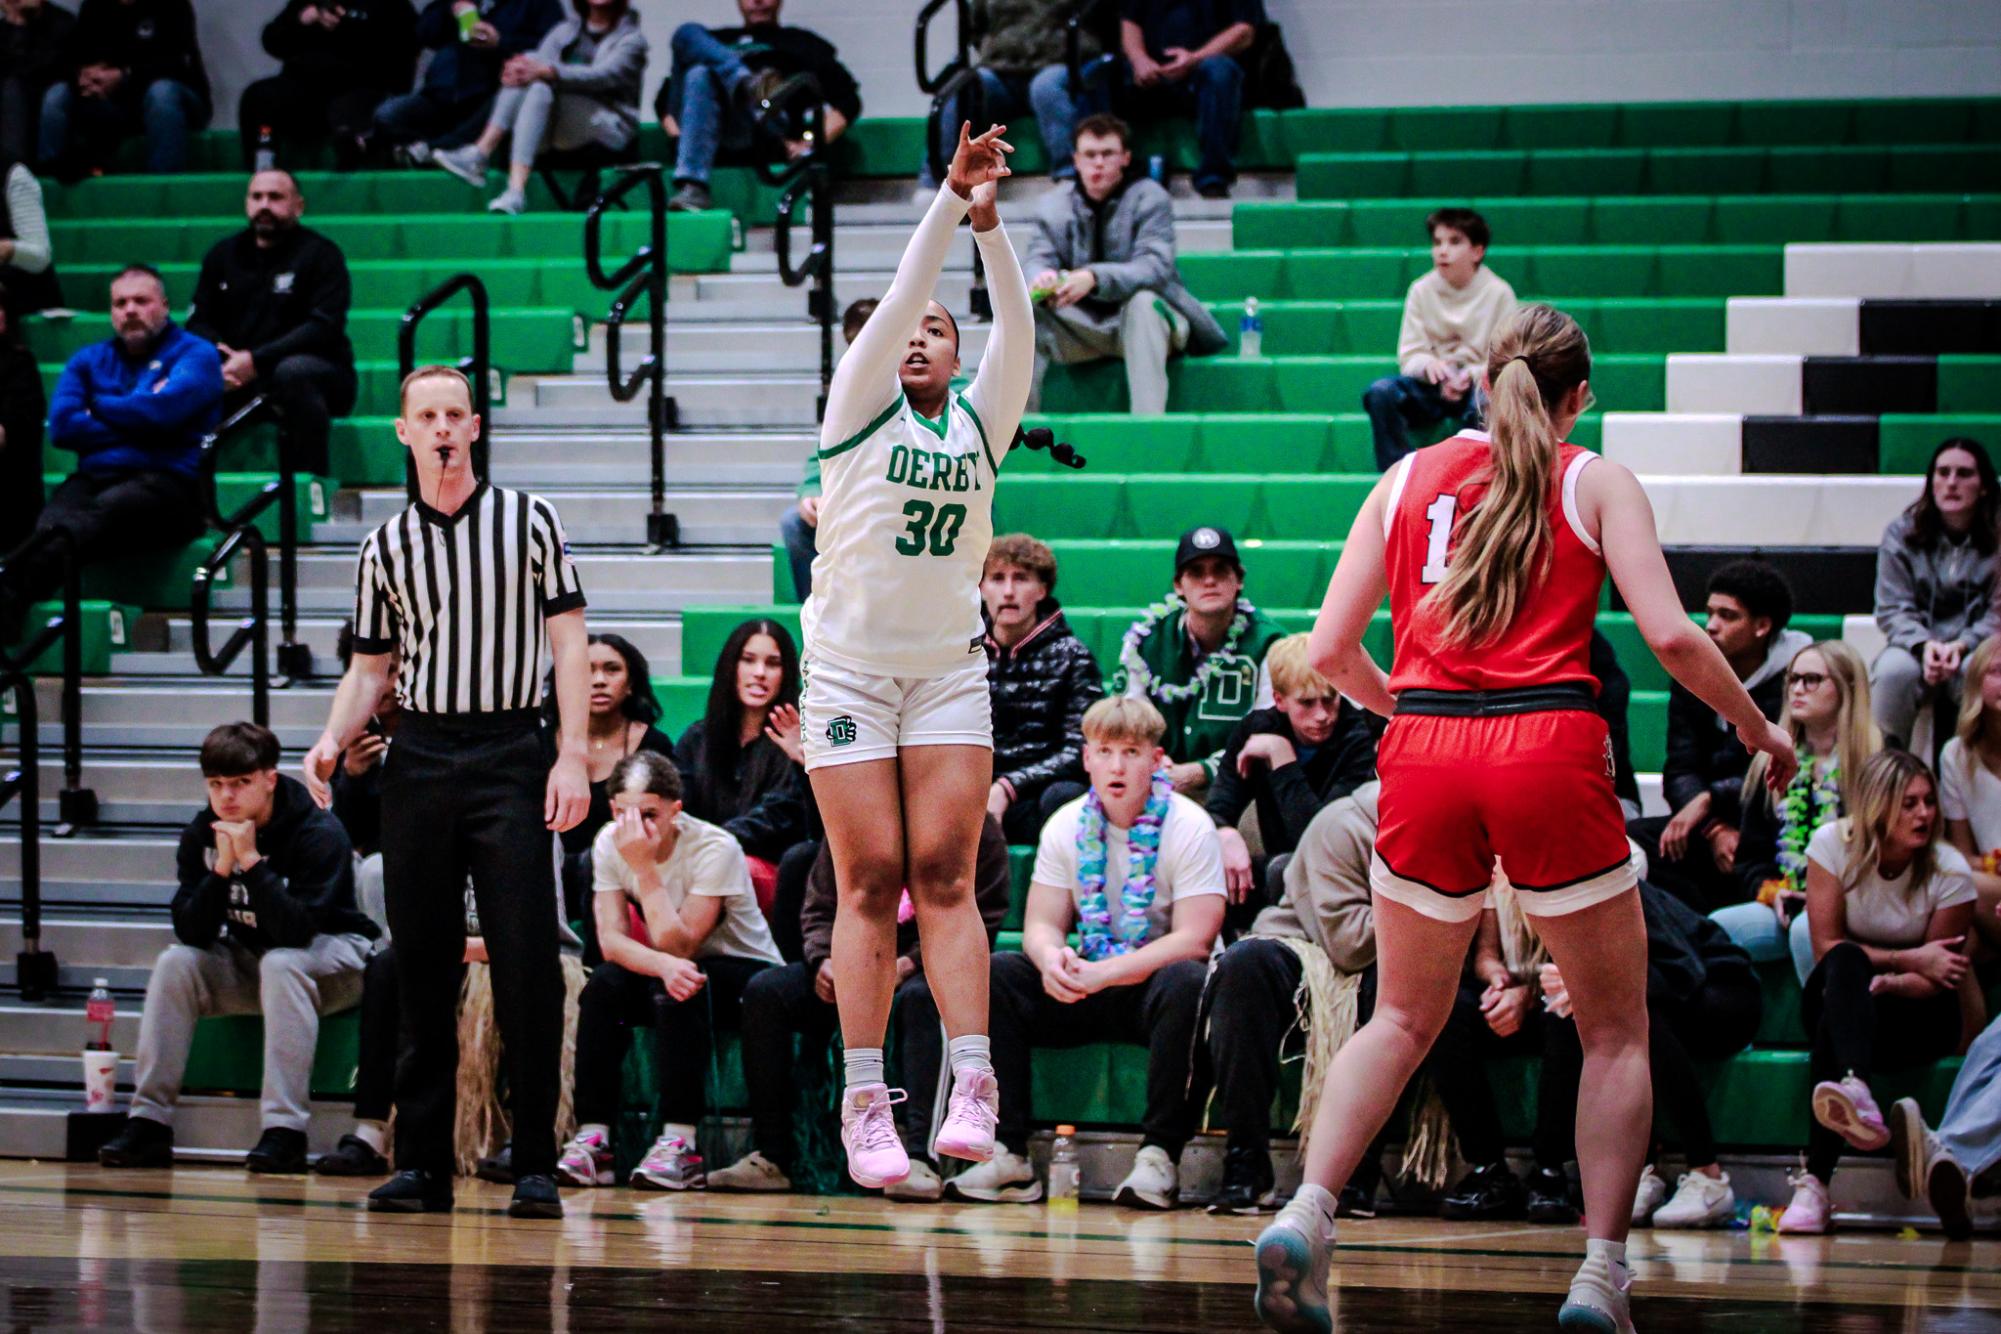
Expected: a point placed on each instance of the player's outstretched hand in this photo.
(978, 159)
(1777, 743)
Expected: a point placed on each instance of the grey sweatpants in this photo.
(1146, 332)
(291, 988)
(541, 117)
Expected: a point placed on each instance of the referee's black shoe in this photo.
(535, 1197)
(412, 1192)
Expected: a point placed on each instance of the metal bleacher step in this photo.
(731, 399)
(210, 1130)
(738, 347)
(708, 515)
(861, 246)
(747, 297)
(539, 459)
(99, 867)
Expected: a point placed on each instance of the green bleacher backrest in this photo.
(227, 1055)
(107, 628)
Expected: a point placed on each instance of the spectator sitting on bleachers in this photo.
(1693, 852)
(1199, 656)
(134, 409)
(682, 937)
(1103, 255)
(624, 711)
(579, 89)
(1042, 678)
(1286, 987)
(1964, 1155)
(274, 298)
(471, 43)
(1180, 59)
(23, 409)
(1889, 908)
(735, 769)
(1309, 748)
(34, 41)
(266, 923)
(798, 999)
(1969, 786)
(798, 529)
(340, 62)
(1021, 60)
(1450, 316)
(357, 782)
(131, 67)
(1135, 868)
(1703, 1003)
(27, 257)
(1935, 594)
(1827, 712)
(720, 78)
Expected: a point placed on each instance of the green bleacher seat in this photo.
(1905, 441)
(107, 628)
(522, 340)
(161, 580)
(1969, 384)
(228, 1055)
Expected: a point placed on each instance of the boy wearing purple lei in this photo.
(1136, 870)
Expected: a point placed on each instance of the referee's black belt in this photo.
(473, 724)
(1497, 703)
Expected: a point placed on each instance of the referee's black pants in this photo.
(463, 793)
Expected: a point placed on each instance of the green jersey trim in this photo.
(868, 430)
(980, 426)
(939, 427)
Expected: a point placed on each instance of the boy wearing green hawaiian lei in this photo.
(1199, 656)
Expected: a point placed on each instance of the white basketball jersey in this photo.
(906, 520)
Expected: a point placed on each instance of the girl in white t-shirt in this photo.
(1969, 788)
(1889, 908)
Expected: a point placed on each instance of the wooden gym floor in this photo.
(214, 1249)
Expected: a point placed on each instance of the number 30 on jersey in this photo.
(935, 530)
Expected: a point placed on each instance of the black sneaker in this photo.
(142, 1143)
(279, 1152)
(1247, 1182)
(498, 1169)
(352, 1157)
(1485, 1194)
(1946, 1189)
(690, 197)
(412, 1192)
(535, 1197)
(1549, 1197)
(1355, 1202)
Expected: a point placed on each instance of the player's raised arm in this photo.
(999, 391)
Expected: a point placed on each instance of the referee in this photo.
(466, 586)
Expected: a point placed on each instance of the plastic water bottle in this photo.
(1064, 1174)
(100, 1062)
(1251, 330)
(266, 156)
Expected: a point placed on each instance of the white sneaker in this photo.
(922, 1186)
(1809, 1214)
(671, 1164)
(1293, 1256)
(1600, 1300)
(1152, 1184)
(1005, 1178)
(1700, 1200)
(586, 1160)
(510, 202)
(1653, 1192)
(466, 163)
(751, 1173)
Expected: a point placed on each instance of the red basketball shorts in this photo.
(1527, 795)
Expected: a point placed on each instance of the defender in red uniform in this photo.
(1492, 550)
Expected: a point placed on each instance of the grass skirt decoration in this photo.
(483, 1124)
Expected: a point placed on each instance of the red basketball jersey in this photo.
(1549, 641)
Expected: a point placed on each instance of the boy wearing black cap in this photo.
(1199, 656)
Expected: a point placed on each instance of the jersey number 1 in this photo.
(1439, 512)
(936, 532)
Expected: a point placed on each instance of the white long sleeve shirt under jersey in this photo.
(907, 508)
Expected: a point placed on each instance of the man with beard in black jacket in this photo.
(266, 924)
(273, 299)
(1042, 678)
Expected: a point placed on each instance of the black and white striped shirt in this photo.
(464, 597)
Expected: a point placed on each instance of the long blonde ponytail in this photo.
(1538, 358)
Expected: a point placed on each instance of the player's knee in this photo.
(940, 879)
(872, 891)
(1381, 396)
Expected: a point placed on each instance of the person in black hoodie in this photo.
(1311, 748)
(1042, 678)
(34, 37)
(23, 408)
(266, 923)
(273, 298)
(341, 59)
(132, 66)
(1692, 854)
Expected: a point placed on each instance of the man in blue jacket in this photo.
(133, 409)
(471, 40)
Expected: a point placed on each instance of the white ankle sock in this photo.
(593, 1127)
(372, 1133)
(969, 1054)
(1321, 1201)
(1614, 1253)
(864, 1065)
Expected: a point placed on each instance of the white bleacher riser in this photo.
(1941, 270)
(1828, 326)
(1860, 632)
(1719, 382)
(1775, 510)
(1687, 444)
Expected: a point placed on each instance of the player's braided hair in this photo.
(1504, 542)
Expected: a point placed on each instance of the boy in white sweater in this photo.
(1449, 317)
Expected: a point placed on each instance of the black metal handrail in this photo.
(252, 630)
(478, 366)
(807, 178)
(643, 274)
(34, 967)
(1073, 47)
(928, 81)
(240, 529)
